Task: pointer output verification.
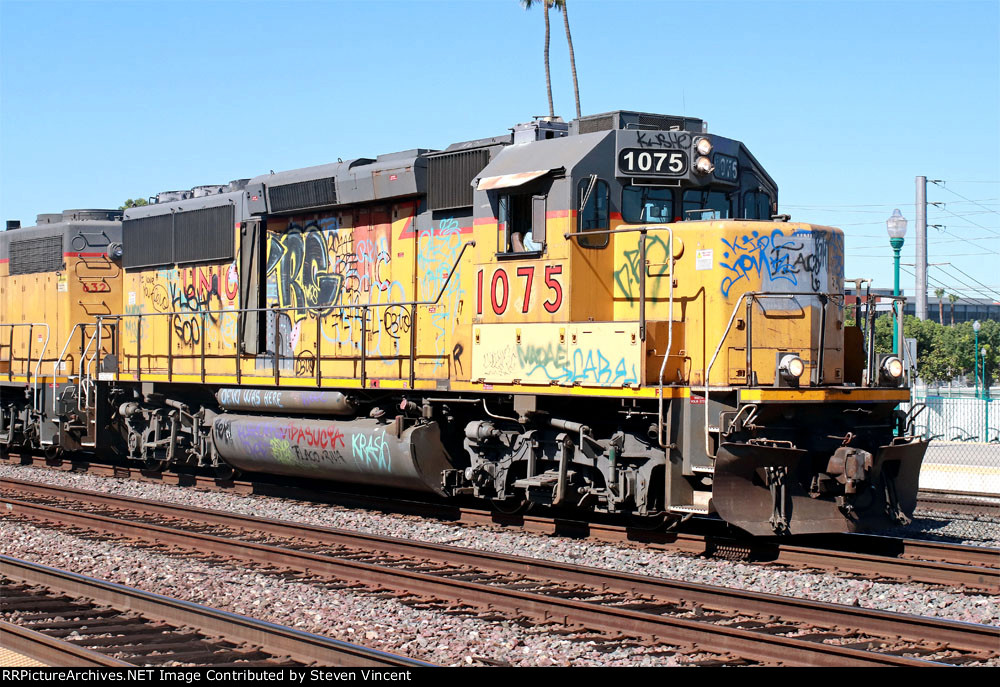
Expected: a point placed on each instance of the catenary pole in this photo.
(921, 272)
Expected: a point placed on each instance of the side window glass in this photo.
(522, 224)
(593, 212)
(756, 205)
(764, 205)
(503, 233)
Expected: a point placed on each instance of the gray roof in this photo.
(553, 153)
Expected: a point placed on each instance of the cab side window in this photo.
(593, 211)
(756, 205)
(522, 224)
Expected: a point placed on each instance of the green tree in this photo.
(945, 352)
(940, 296)
(951, 299)
(527, 4)
(133, 203)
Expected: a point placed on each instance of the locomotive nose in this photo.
(768, 489)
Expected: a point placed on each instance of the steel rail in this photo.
(967, 567)
(742, 642)
(539, 568)
(276, 639)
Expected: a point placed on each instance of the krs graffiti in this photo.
(371, 451)
(667, 139)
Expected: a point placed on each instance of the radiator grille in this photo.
(304, 194)
(205, 234)
(450, 178)
(36, 255)
(148, 241)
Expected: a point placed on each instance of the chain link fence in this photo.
(960, 477)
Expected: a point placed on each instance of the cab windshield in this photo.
(706, 204)
(645, 204)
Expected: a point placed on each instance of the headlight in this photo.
(703, 146)
(892, 368)
(703, 165)
(791, 367)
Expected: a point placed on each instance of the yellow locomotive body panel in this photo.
(345, 293)
(49, 316)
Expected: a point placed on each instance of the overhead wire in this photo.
(988, 291)
(941, 184)
(946, 287)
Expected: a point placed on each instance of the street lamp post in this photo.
(986, 396)
(975, 328)
(896, 226)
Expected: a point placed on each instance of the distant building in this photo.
(966, 309)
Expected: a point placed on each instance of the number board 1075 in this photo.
(652, 162)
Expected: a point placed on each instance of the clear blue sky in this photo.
(843, 102)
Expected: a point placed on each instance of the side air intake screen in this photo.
(203, 235)
(450, 178)
(148, 241)
(36, 255)
(658, 122)
(592, 124)
(304, 194)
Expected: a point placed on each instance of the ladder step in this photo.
(546, 479)
(692, 508)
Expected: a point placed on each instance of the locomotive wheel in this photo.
(53, 454)
(226, 472)
(4, 451)
(653, 523)
(512, 506)
(154, 465)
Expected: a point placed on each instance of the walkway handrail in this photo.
(62, 356)
(79, 379)
(306, 308)
(35, 406)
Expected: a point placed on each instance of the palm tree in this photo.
(548, 79)
(940, 296)
(951, 299)
(560, 6)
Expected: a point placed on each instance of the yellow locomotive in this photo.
(606, 315)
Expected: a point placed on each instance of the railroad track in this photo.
(964, 503)
(887, 558)
(699, 624)
(65, 619)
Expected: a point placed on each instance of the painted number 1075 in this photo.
(499, 289)
(653, 162)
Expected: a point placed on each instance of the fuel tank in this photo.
(360, 451)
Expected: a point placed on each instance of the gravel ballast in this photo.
(911, 598)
